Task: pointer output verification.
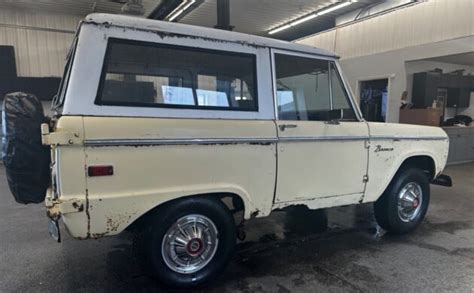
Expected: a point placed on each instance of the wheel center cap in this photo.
(195, 246)
(416, 202)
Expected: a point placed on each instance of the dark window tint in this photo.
(144, 74)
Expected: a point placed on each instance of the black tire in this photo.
(386, 207)
(26, 160)
(149, 240)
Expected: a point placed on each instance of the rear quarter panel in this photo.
(68, 165)
(146, 176)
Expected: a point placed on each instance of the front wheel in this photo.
(404, 204)
(188, 242)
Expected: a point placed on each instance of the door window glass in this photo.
(340, 99)
(304, 87)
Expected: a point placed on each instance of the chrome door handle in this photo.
(285, 126)
(332, 122)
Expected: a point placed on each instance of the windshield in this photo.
(58, 99)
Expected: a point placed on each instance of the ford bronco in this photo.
(169, 130)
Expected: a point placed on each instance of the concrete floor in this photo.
(283, 252)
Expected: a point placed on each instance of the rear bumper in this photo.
(443, 180)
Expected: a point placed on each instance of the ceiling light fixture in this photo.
(293, 23)
(335, 7)
(310, 16)
(180, 9)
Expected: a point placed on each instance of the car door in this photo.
(322, 140)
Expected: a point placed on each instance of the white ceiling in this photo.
(248, 16)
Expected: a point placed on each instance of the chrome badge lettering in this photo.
(379, 148)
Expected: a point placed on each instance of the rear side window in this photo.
(151, 75)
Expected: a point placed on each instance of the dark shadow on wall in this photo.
(43, 87)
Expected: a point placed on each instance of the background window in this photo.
(212, 92)
(167, 76)
(303, 89)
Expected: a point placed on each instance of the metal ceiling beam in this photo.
(223, 15)
(163, 9)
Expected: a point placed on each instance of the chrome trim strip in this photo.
(322, 138)
(207, 141)
(179, 141)
(408, 137)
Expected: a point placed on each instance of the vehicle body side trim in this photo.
(322, 138)
(408, 137)
(134, 142)
(240, 140)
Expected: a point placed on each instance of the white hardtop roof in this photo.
(198, 31)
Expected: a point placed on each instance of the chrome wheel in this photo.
(410, 199)
(190, 244)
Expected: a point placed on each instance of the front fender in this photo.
(384, 166)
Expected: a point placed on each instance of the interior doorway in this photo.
(374, 99)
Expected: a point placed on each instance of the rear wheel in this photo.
(404, 204)
(187, 243)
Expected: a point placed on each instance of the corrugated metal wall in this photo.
(41, 40)
(428, 22)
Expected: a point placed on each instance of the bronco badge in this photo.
(379, 148)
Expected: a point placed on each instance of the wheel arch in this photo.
(237, 203)
(426, 161)
(423, 161)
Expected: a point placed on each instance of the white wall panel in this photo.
(41, 40)
(427, 22)
(325, 41)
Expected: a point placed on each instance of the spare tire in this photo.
(26, 160)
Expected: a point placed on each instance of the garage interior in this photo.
(407, 61)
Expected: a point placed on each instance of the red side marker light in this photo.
(93, 171)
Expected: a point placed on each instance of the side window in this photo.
(142, 74)
(340, 99)
(304, 86)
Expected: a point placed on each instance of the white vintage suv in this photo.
(157, 124)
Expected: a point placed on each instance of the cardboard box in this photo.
(430, 117)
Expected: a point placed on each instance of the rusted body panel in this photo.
(68, 196)
(150, 170)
